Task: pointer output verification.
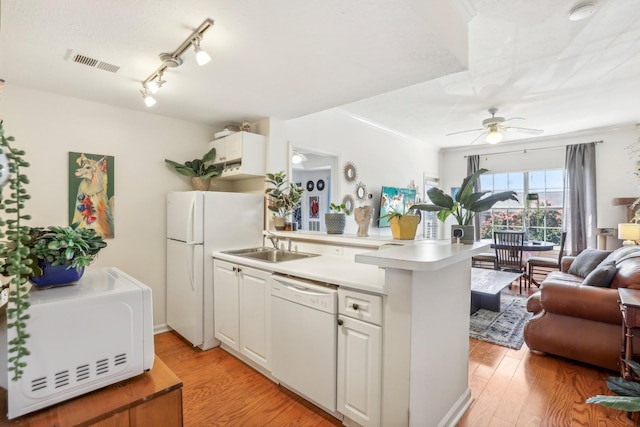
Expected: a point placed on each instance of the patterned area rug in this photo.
(504, 328)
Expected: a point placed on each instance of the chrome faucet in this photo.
(274, 239)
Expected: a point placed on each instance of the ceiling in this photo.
(412, 67)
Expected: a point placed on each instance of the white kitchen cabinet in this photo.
(359, 358)
(241, 155)
(242, 307)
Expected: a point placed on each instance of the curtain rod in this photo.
(524, 150)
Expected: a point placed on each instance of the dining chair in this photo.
(544, 265)
(508, 248)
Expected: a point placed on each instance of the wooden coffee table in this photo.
(486, 286)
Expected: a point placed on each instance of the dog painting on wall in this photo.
(91, 195)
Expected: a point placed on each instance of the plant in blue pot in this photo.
(62, 253)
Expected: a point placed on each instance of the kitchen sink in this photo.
(270, 255)
(247, 251)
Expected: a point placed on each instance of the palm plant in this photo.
(466, 203)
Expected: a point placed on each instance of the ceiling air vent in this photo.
(91, 62)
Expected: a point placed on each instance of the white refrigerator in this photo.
(198, 224)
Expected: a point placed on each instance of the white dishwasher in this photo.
(304, 338)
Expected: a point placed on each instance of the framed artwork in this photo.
(91, 192)
(310, 185)
(393, 199)
(314, 207)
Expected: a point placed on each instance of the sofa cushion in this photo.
(602, 275)
(587, 261)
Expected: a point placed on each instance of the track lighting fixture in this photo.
(154, 82)
(149, 100)
(202, 57)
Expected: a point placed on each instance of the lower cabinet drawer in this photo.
(360, 305)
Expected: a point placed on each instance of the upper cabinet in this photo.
(242, 155)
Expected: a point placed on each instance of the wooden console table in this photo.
(630, 308)
(153, 398)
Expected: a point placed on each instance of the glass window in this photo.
(542, 217)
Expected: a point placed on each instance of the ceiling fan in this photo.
(492, 127)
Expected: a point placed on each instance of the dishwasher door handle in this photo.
(303, 289)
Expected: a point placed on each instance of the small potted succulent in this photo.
(62, 253)
(336, 220)
(200, 173)
(283, 197)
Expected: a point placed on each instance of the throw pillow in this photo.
(602, 275)
(587, 261)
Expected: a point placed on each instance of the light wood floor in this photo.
(509, 388)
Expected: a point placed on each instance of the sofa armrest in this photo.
(566, 262)
(586, 302)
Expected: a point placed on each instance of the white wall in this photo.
(615, 164)
(48, 126)
(381, 157)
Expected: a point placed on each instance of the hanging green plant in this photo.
(15, 251)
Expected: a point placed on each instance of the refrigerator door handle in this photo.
(191, 267)
(190, 222)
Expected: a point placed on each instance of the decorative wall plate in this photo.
(320, 185)
(309, 185)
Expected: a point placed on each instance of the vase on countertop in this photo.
(363, 217)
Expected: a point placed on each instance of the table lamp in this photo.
(630, 232)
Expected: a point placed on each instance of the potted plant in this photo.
(15, 256)
(628, 392)
(60, 254)
(465, 205)
(200, 173)
(284, 197)
(336, 220)
(403, 224)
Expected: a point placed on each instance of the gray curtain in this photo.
(580, 219)
(473, 164)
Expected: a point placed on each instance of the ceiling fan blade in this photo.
(514, 118)
(525, 130)
(464, 131)
(478, 137)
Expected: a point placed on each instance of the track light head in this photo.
(149, 100)
(202, 57)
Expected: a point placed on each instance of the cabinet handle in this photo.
(355, 306)
(234, 269)
(340, 322)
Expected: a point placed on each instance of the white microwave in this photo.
(83, 337)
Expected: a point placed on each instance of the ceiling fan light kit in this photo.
(493, 126)
(493, 137)
(154, 82)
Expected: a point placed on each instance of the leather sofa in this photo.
(579, 321)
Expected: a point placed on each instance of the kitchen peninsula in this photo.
(424, 293)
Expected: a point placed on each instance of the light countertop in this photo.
(366, 271)
(425, 255)
(332, 269)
